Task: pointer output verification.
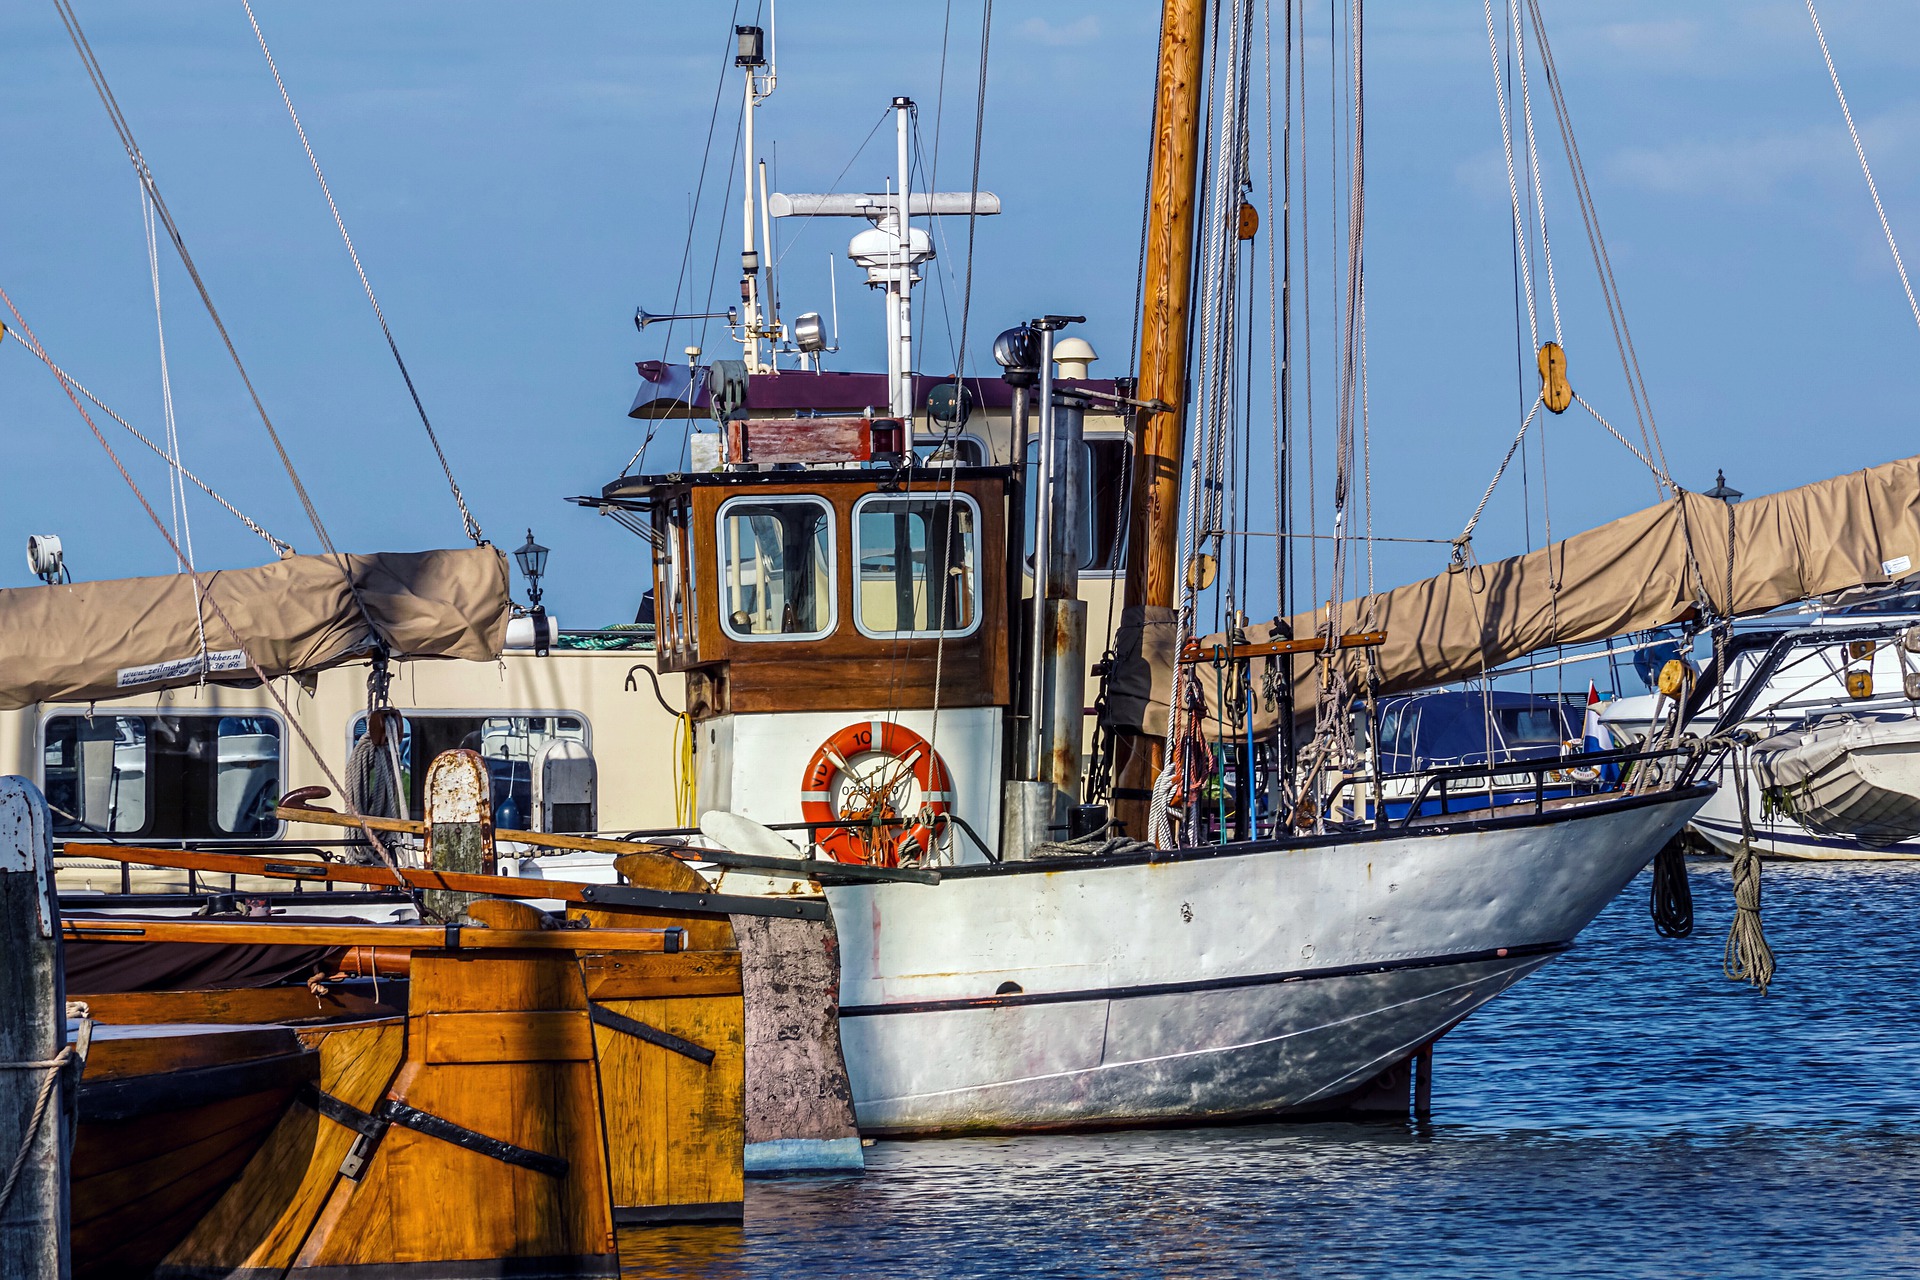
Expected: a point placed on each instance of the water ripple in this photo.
(1627, 1111)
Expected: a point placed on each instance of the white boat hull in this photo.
(1857, 778)
(1210, 986)
(1780, 835)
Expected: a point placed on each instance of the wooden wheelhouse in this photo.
(819, 590)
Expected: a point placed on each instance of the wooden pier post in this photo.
(33, 1029)
(459, 825)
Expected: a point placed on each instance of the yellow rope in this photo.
(685, 782)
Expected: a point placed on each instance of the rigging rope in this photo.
(176, 490)
(467, 521)
(1533, 166)
(97, 75)
(28, 338)
(282, 549)
(1872, 187)
(1523, 243)
(1466, 534)
(1603, 262)
(1225, 171)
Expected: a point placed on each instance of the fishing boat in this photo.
(275, 1094)
(871, 651)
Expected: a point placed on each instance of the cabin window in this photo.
(776, 568)
(513, 744)
(918, 569)
(194, 776)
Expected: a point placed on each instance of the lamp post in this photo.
(532, 559)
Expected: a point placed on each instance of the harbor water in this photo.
(1627, 1111)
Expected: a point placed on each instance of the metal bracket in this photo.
(652, 1035)
(371, 1128)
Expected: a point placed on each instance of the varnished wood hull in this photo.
(155, 1151)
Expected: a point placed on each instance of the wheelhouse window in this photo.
(511, 743)
(194, 776)
(917, 565)
(776, 568)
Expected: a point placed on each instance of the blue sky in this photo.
(517, 180)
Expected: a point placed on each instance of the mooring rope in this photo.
(53, 1067)
(1671, 899)
(1748, 958)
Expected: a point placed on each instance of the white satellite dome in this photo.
(1072, 356)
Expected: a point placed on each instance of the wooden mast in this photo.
(1165, 324)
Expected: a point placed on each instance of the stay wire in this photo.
(98, 76)
(1609, 287)
(693, 217)
(280, 548)
(201, 586)
(176, 486)
(959, 379)
(467, 522)
(1873, 188)
(973, 198)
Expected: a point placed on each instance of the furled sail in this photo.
(1649, 569)
(91, 640)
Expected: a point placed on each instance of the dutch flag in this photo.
(1596, 735)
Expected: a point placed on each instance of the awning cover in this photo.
(1630, 575)
(85, 641)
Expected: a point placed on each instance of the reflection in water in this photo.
(1625, 1112)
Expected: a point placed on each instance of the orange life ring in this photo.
(888, 836)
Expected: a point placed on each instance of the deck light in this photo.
(1722, 490)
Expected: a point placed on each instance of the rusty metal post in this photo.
(1063, 651)
(33, 1031)
(459, 826)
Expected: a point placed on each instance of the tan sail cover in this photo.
(96, 640)
(1632, 574)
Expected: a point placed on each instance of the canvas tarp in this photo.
(1630, 575)
(83, 641)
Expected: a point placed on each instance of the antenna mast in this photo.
(754, 56)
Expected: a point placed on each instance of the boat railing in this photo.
(1500, 775)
